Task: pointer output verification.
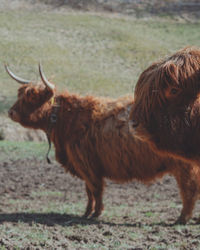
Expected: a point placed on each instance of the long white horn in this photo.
(44, 79)
(16, 78)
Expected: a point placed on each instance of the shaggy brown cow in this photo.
(92, 141)
(166, 112)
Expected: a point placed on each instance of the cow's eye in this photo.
(174, 91)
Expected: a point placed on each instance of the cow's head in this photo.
(31, 97)
(166, 112)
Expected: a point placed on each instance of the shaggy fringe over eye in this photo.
(33, 96)
(180, 70)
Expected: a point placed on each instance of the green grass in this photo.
(55, 206)
(23, 150)
(55, 194)
(89, 54)
(86, 53)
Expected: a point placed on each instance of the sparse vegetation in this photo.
(90, 53)
(84, 52)
(23, 150)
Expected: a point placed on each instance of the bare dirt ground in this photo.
(38, 197)
(41, 206)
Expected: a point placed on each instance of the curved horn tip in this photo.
(6, 67)
(16, 78)
(44, 79)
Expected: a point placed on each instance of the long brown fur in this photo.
(92, 141)
(166, 112)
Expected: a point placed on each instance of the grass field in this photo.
(84, 52)
(23, 150)
(88, 53)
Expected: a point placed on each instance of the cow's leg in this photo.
(90, 204)
(187, 179)
(98, 195)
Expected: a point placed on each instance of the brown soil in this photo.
(135, 216)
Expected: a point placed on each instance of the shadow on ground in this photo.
(52, 219)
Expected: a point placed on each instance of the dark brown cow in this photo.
(92, 141)
(166, 112)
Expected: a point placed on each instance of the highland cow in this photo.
(93, 142)
(166, 110)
